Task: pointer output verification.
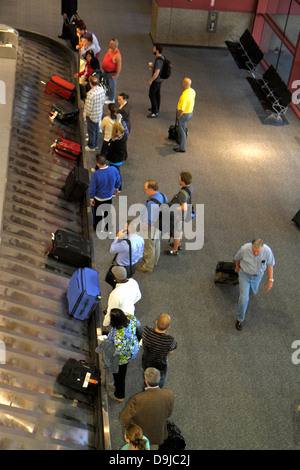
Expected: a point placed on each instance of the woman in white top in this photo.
(107, 125)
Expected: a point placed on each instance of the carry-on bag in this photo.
(225, 273)
(63, 111)
(296, 218)
(70, 248)
(76, 184)
(175, 440)
(79, 375)
(173, 131)
(67, 148)
(83, 293)
(61, 87)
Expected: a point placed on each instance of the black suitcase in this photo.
(63, 111)
(76, 184)
(80, 376)
(225, 273)
(71, 249)
(173, 131)
(296, 218)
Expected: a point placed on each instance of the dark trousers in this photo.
(98, 218)
(130, 272)
(154, 95)
(119, 381)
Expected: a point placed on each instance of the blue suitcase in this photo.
(83, 293)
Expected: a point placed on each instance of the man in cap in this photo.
(124, 296)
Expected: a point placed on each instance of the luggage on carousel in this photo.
(76, 184)
(79, 375)
(67, 148)
(225, 273)
(63, 111)
(83, 293)
(61, 87)
(296, 218)
(70, 248)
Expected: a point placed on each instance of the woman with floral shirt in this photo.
(123, 335)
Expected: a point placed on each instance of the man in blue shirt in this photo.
(120, 246)
(251, 261)
(105, 182)
(149, 218)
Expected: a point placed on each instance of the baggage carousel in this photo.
(37, 335)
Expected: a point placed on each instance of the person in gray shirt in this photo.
(251, 261)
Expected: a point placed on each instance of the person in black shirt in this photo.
(157, 346)
(184, 200)
(156, 81)
(68, 9)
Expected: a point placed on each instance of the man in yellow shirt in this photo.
(185, 110)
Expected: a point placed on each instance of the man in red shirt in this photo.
(111, 65)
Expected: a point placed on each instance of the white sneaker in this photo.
(87, 149)
(108, 101)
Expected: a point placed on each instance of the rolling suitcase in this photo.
(70, 248)
(63, 111)
(296, 218)
(78, 375)
(173, 131)
(76, 184)
(67, 148)
(61, 87)
(225, 273)
(83, 293)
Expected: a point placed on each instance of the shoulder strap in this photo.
(157, 202)
(187, 190)
(130, 254)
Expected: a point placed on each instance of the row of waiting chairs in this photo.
(270, 89)
(245, 52)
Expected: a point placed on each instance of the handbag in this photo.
(109, 278)
(175, 440)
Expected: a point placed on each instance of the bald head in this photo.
(186, 83)
(163, 322)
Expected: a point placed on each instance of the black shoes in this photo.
(172, 253)
(178, 249)
(178, 150)
(239, 325)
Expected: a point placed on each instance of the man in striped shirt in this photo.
(157, 346)
(92, 113)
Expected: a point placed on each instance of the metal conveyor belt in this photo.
(35, 411)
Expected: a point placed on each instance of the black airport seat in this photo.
(245, 52)
(272, 92)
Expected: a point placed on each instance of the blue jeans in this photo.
(246, 282)
(112, 85)
(182, 123)
(93, 133)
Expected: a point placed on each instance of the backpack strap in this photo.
(187, 190)
(157, 202)
(130, 254)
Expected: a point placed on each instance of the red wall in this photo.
(219, 5)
